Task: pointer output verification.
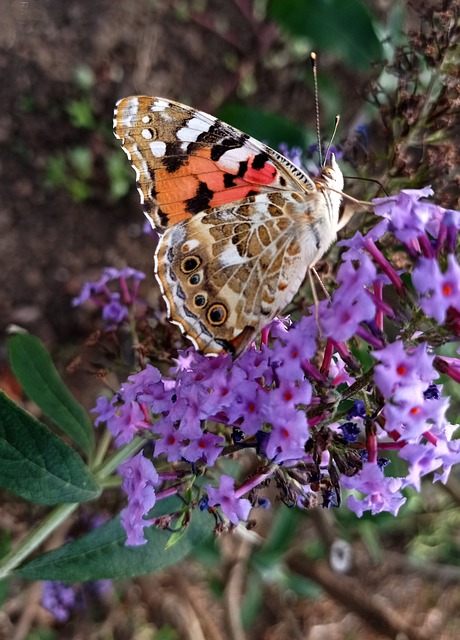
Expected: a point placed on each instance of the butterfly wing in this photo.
(187, 161)
(228, 272)
(241, 223)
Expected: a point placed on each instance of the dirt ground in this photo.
(52, 241)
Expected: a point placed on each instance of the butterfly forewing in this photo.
(187, 161)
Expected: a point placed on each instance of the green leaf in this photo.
(36, 464)
(346, 28)
(102, 553)
(268, 127)
(33, 367)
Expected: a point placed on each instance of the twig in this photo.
(235, 588)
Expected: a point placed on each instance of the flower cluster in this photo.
(62, 599)
(115, 304)
(315, 417)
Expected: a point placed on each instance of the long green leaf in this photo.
(102, 553)
(33, 367)
(343, 27)
(37, 465)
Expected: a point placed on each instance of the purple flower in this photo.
(351, 304)
(350, 431)
(408, 214)
(341, 316)
(422, 459)
(288, 436)
(358, 410)
(147, 385)
(206, 446)
(410, 416)
(59, 598)
(114, 304)
(398, 369)
(338, 372)
(114, 312)
(104, 409)
(448, 452)
(169, 442)
(380, 493)
(296, 347)
(438, 290)
(234, 507)
(294, 154)
(140, 479)
(126, 421)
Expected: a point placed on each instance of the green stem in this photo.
(35, 538)
(118, 457)
(102, 449)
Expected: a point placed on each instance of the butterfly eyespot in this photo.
(190, 263)
(195, 279)
(217, 314)
(199, 300)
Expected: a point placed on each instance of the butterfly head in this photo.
(331, 174)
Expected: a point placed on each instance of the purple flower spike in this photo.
(287, 398)
(139, 481)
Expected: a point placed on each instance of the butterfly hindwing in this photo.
(226, 273)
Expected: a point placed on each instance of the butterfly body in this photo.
(240, 223)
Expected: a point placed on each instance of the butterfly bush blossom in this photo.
(115, 305)
(316, 423)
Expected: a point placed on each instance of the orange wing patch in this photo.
(201, 184)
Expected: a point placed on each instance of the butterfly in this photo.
(240, 224)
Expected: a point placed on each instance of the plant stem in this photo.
(34, 539)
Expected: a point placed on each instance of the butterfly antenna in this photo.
(336, 126)
(368, 180)
(315, 86)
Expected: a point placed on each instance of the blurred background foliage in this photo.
(68, 207)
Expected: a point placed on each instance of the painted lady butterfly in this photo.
(240, 223)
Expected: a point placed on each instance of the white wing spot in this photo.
(146, 119)
(146, 134)
(158, 148)
(231, 159)
(190, 245)
(159, 105)
(193, 128)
